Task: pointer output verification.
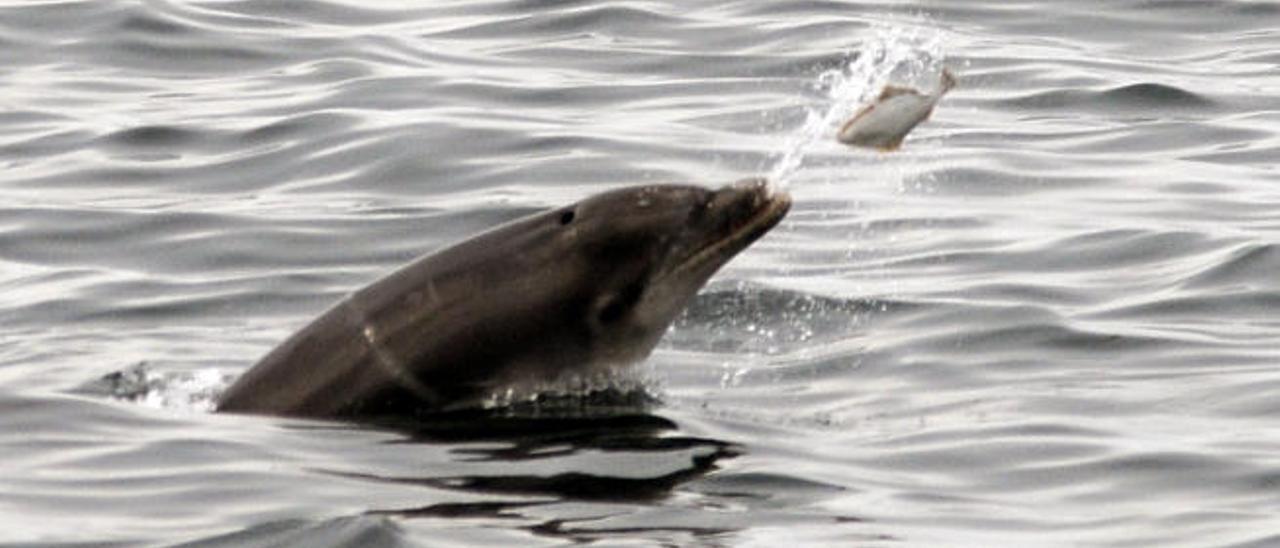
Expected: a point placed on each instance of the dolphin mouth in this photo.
(755, 207)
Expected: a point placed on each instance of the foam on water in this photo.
(196, 391)
(189, 391)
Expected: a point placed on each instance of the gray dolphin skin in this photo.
(578, 289)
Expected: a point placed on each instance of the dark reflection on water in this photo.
(617, 440)
(562, 469)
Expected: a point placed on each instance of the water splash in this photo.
(184, 390)
(622, 387)
(898, 53)
(195, 390)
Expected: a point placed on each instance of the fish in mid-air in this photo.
(886, 122)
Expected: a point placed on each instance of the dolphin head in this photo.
(645, 251)
(581, 288)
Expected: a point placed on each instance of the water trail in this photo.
(902, 53)
(195, 390)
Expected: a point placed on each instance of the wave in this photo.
(1133, 99)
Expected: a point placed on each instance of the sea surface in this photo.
(1051, 319)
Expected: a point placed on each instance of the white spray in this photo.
(905, 53)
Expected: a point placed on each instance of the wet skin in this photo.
(578, 289)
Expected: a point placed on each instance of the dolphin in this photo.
(575, 290)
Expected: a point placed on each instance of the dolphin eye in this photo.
(566, 217)
(702, 208)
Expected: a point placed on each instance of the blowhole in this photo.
(566, 217)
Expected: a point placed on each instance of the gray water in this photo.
(1049, 320)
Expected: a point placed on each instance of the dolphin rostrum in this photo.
(574, 290)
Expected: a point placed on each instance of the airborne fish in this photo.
(886, 122)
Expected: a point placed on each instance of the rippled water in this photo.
(1050, 320)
